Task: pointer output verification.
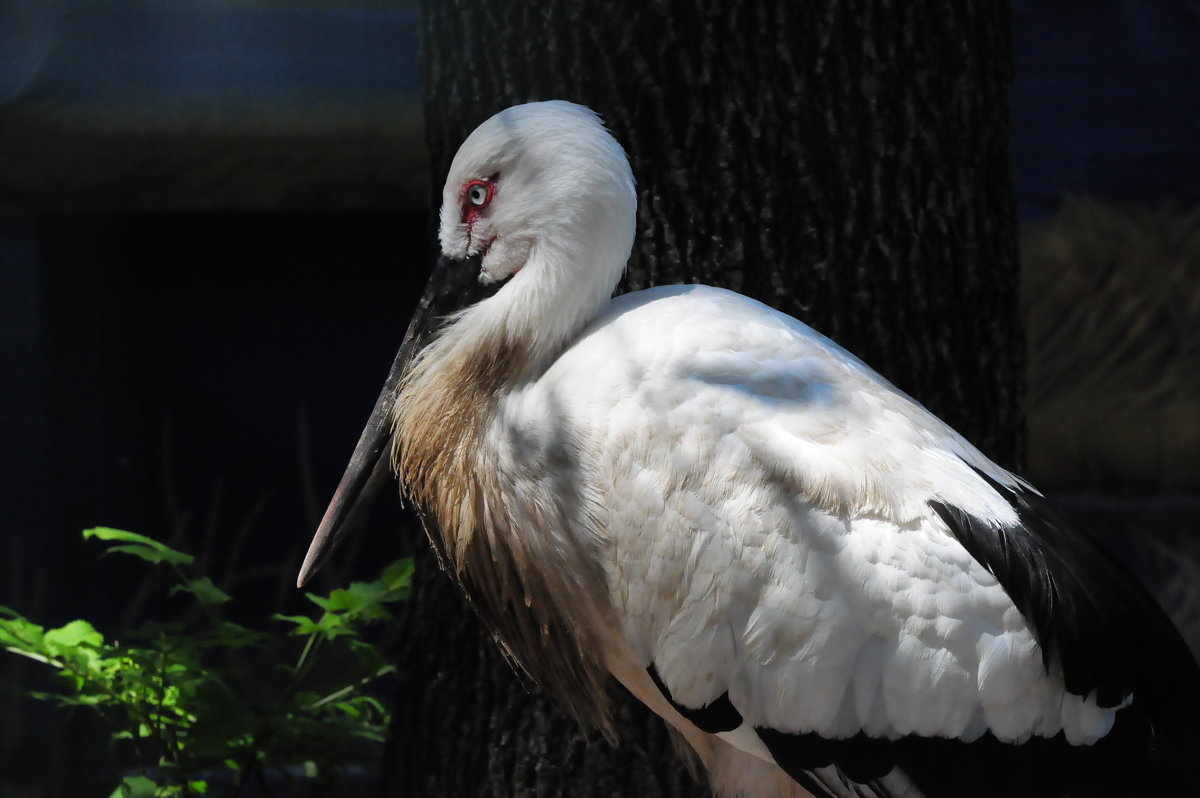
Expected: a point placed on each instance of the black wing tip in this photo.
(1118, 766)
(719, 715)
(1091, 617)
(860, 758)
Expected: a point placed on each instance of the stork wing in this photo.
(817, 569)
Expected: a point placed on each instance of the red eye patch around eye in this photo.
(474, 196)
(477, 194)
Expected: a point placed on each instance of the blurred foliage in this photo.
(212, 706)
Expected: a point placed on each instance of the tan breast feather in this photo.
(523, 582)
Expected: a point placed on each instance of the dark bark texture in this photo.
(846, 161)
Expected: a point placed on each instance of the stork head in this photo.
(545, 185)
(537, 222)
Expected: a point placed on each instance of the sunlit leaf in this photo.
(372, 702)
(304, 624)
(18, 632)
(135, 787)
(74, 634)
(188, 687)
(397, 578)
(326, 604)
(141, 546)
(348, 708)
(150, 554)
(352, 599)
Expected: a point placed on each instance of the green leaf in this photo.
(72, 636)
(354, 598)
(326, 604)
(348, 708)
(135, 787)
(370, 734)
(151, 554)
(19, 633)
(177, 686)
(9, 612)
(141, 546)
(204, 590)
(372, 702)
(304, 624)
(330, 626)
(397, 578)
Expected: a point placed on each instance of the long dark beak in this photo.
(453, 285)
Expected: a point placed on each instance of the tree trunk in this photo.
(846, 162)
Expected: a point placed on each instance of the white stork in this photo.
(823, 587)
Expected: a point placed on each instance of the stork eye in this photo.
(479, 193)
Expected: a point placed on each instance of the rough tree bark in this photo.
(846, 161)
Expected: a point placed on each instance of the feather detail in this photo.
(1091, 619)
(539, 593)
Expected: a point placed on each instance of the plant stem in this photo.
(34, 656)
(308, 646)
(336, 694)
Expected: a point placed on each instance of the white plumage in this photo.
(771, 545)
(767, 526)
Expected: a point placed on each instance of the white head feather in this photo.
(559, 221)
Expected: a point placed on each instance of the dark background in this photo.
(213, 222)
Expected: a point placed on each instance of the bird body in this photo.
(782, 490)
(819, 583)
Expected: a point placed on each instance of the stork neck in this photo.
(542, 309)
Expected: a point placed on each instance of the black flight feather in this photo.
(1090, 617)
(716, 716)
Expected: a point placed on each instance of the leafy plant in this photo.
(214, 705)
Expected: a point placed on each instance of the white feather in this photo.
(767, 527)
